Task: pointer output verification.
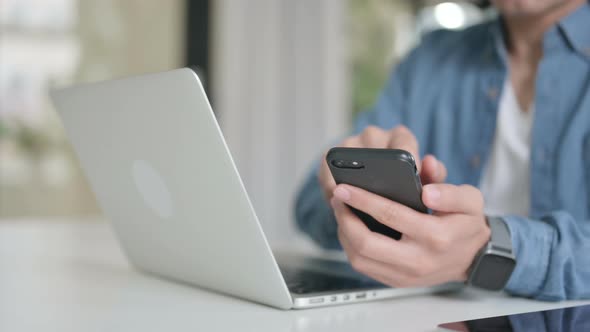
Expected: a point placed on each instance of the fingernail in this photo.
(342, 194)
(432, 193)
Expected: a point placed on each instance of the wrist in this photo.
(481, 241)
(486, 235)
(495, 262)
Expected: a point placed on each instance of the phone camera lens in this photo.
(338, 163)
(347, 164)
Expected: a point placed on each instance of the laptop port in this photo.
(316, 300)
(361, 296)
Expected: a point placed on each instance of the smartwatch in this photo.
(495, 262)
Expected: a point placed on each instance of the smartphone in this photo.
(390, 173)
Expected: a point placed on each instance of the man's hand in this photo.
(400, 137)
(434, 249)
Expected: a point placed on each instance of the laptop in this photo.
(161, 171)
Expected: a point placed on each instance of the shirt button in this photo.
(493, 93)
(475, 161)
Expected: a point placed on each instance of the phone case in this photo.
(390, 173)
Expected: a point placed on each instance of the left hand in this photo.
(434, 249)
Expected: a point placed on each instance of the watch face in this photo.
(492, 271)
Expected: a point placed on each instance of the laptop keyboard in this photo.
(304, 281)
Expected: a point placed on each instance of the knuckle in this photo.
(374, 136)
(402, 137)
(350, 141)
(440, 242)
(401, 130)
(415, 270)
(474, 193)
(389, 214)
(365, 247)
(485, 232)
(344, 230)
(427, 267)
(371, 131)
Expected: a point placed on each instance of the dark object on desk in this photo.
(390, 173)
(572, 319)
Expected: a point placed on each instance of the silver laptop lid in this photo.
(161, 171)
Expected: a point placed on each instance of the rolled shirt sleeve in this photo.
(553, 257)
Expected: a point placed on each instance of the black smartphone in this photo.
(390, 173)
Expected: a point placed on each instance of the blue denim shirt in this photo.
(447, 91)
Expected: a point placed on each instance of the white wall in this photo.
(280, 82)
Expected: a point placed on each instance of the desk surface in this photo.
(72, 276)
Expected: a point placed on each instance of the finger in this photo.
(352, 142)
(367, 243)
(450, 198)
(383, 273)
(410, 275)
(374, 137)
(359, 262)
(433, 170)
(326, 180)
(402, 138)
(340, 210)
(379, 256)
(389, 213)
(325, 177)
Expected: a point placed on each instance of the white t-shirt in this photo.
(505, 184)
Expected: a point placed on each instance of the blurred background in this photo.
(285, 79)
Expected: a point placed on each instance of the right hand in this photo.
(431, 170)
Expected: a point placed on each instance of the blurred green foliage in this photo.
(30, 139)
(3, 129)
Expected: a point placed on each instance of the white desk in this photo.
(68, 276)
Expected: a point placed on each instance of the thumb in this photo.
(449, 198)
